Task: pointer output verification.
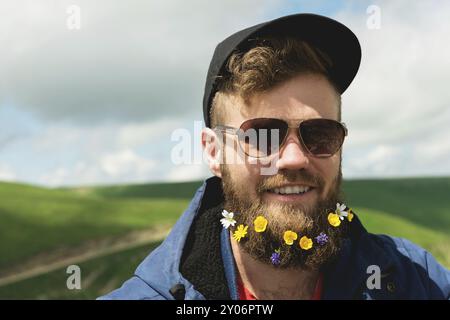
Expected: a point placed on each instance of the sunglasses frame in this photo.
(292, 124)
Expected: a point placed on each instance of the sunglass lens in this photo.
(262, 136)
(322, 137)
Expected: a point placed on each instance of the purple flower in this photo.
(322, 239)
(275, 258)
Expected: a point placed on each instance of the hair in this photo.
(270, 62)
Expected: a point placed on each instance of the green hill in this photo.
(175, 190)
(98, 276)
(422, 201)
(37, 220)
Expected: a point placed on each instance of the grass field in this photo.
(99, 276)
(34, 220)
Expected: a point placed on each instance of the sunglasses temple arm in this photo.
(345, 128)
(227, 129)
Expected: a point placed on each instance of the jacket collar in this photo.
(161, 269)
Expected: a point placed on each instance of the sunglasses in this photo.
(262, 137)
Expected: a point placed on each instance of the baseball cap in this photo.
(330, 36)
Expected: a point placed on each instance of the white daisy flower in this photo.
(340, 210)
(227, 219)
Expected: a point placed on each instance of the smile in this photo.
(291, 190)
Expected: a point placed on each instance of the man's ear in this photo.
(212, 151)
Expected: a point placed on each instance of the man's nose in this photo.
(292, 155)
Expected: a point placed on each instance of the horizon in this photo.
(130, 183)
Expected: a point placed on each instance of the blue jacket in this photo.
(195, 262)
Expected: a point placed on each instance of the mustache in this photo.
(286, 177)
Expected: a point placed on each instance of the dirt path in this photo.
(64, 257)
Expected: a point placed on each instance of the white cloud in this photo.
(64, 154)
(188, 173)
(55, 178)
(102, 137)
(126, 162)
(137, 134)
(123, 166)
(380, 161)
(100, 103)
(7, 173)
(135, 60)
(398, 104)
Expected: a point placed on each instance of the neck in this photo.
(267, 282)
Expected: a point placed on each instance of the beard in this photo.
(305, 220)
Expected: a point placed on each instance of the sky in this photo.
(102, 103)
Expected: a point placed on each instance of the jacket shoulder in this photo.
(133, 289)
(410, 255)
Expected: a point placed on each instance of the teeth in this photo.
(291, 190)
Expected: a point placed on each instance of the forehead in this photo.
(303, 97)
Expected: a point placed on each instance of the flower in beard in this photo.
(333, 219)
(305, 243)
(322, 239)
(306, 220)
(340, 211)
(275, 257)
(260, 224)
(227, 219)
(240, 232)
(289, 237)
(350, 215)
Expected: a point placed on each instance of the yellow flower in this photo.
(289, 237)
(260, 224)
(350, 215)
(306, 243)
(333, 219)
(240, 232)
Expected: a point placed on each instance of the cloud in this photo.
(188, 173)
(98, 105)
(381, 160)
(7, 173)
(137, 134)
(134, 60)
(398, 105)
(120, 167)
(108, 153)
(6, 139)
(124, 163)
(104, 154)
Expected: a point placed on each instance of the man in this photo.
(271, 223)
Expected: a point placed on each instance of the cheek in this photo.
(243, 171)
(246, 176)
(329, 170)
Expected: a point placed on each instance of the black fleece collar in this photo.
(201, 262)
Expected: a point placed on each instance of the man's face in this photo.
(250, 193)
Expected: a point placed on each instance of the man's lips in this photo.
(290, 193)
(290, 189)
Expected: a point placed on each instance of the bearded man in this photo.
(272, 223)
